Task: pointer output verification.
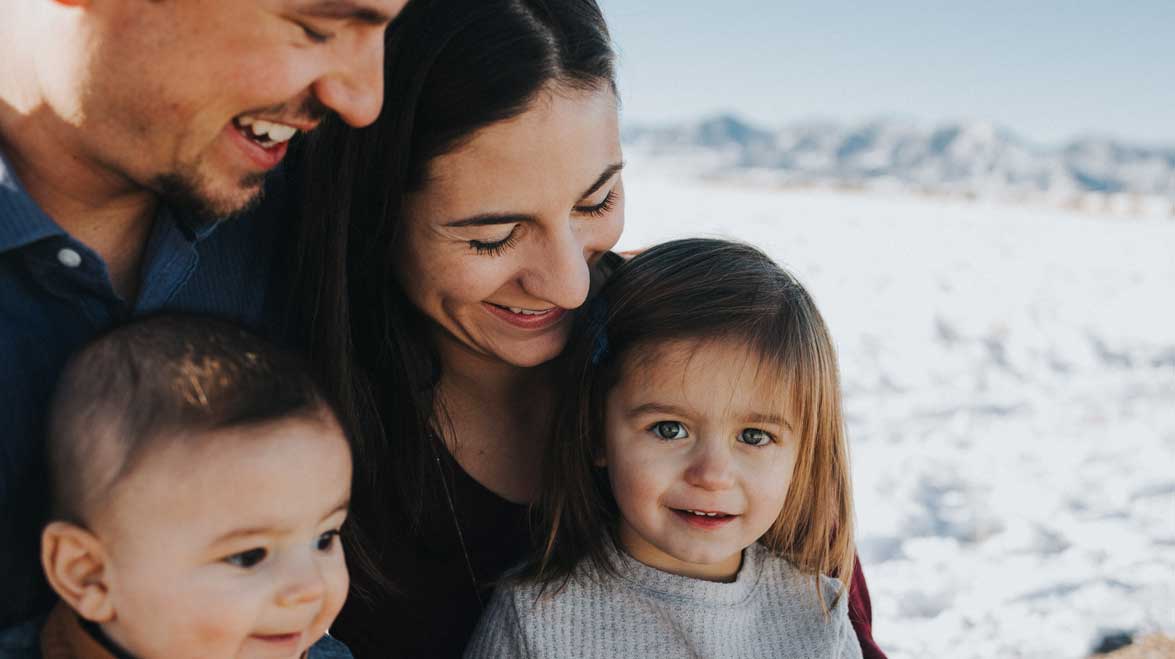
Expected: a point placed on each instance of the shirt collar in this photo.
(21, 220)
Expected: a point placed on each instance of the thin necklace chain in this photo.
(456, 523)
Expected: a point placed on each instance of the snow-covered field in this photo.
(1010, 381)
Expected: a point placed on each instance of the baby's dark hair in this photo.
(163, 378)
(705, 290)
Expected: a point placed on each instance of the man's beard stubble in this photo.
(188, 193)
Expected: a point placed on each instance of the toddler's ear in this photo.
(74, 562)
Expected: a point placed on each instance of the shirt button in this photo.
(69, 258)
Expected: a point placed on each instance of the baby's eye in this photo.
(755, 437)
(247, 559)
(669, 430)
(326, 541)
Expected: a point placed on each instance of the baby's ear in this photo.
(75, 565)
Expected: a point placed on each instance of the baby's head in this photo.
(703, 416)
(199, 481)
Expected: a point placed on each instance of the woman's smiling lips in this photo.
(528, 319)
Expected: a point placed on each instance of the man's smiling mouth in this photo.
(266, 134)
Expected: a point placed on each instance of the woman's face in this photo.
(500, 240)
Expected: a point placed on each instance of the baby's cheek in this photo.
(337, 583)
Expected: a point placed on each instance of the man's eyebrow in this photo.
(490, 219)
(346, 10)
(612, 169)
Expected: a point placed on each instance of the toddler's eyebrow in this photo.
(775, 419)
(265, 530)
(657, 408)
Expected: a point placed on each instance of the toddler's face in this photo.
(698, 456)
(230, 548)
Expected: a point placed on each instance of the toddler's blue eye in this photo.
(755, 437)
(326, 540)
(669, 430)
(247, 559)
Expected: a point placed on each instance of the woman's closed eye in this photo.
(248, 558)
(755, 437)
(495, 247)
(602, 208)
(669, 430)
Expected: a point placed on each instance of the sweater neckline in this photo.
(699, 591)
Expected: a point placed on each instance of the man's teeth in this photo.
(267, 130)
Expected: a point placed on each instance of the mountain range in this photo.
(973, 159)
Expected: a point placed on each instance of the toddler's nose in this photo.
(305, 587)
(710, 467)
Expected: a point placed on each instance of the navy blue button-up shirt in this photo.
(55, 294)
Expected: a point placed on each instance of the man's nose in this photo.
(355, 88)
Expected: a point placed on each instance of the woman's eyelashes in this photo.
(601, 208)
(498, 247)
(495, 247)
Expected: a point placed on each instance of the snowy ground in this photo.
(1010, 381)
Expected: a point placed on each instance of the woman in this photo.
(441, 257)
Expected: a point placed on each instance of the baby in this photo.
(199, 482)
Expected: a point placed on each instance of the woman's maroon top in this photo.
(437, 607)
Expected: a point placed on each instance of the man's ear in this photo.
(75, 564)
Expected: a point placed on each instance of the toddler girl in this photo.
(697, 493)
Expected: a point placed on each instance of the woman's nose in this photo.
(560, 274)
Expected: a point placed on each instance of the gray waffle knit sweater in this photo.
(770, 610)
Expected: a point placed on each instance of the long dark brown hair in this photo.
(453, 67)
(698, 289)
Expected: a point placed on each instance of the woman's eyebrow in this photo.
(490, 219)
(612, 169)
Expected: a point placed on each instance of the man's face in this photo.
(197, 100)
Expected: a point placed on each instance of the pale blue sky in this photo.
(1047, 70)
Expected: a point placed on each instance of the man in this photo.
(128, 128)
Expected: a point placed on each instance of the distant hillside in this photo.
(973, 158)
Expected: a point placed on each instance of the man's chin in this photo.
(193, 196)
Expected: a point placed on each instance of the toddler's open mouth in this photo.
(707, 519)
